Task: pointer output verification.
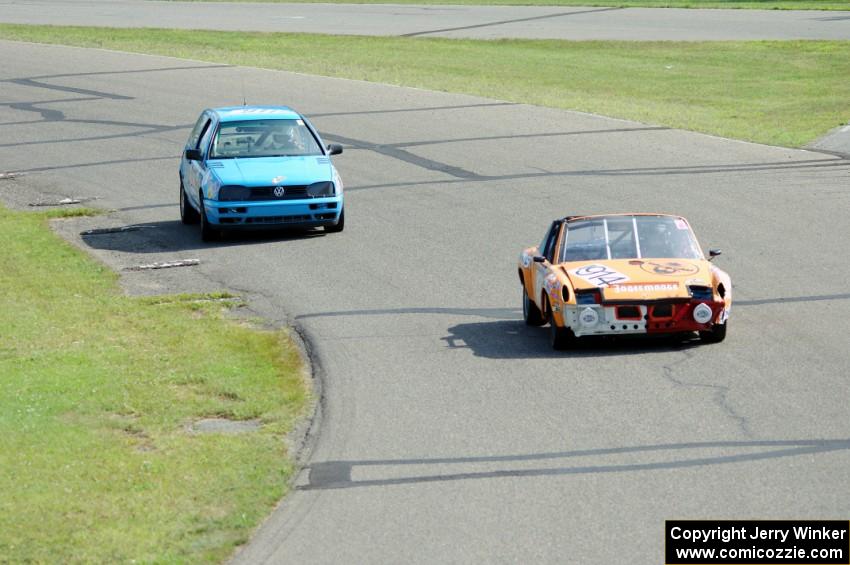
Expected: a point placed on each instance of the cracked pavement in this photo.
(720, 392)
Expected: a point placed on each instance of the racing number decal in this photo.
(599, 275)
(670, 268)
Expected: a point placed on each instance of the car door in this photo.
(196, 170)
(541, 270)
(192, 143)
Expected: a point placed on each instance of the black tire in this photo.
(188, 215)
(530, 312)
(208, 233)
(559, 338)
(340, 225)
(715, 334)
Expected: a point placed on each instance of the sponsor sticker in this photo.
(599, 275)
(658, 287)
(680, 223)
(253, 111)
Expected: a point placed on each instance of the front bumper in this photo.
(646, 318)
(309, 212)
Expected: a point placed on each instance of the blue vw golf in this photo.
(258, 167)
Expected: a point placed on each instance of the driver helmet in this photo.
(286, 136)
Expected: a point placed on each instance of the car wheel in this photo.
(559, 338)
(188, 215)
(530, 312)
(208, 233)
(340, 225)
(715, 334)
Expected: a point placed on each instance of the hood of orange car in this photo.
(639, 279)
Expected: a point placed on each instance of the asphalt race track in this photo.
(481, 22)
(451, 432)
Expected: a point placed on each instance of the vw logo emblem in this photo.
(279, 191)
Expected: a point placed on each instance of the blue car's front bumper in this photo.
(310, 212)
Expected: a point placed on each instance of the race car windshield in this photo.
(264, 138)
(629, 237)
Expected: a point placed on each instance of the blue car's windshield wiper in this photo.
(294, 155)
(262, 156)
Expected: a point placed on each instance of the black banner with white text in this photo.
(757, 542)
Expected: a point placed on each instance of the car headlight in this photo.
(325, 188)
(231, 193)
(591, 297)
(337, 181)
(701, 292)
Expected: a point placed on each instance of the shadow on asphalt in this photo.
(337, 474)
(512, 339)
(506, 336)
(503, 334)
(166, 236)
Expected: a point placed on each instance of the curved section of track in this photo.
(453, 433)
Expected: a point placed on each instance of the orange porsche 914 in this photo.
(623, 274)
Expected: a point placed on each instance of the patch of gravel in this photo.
(224, 426)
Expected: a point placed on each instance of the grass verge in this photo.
(776, 92)
(742, 4)
(97, 391)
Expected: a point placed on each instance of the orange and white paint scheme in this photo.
(623, 274)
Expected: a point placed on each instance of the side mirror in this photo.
(712, 253)
(334, 149)
(192, 155)
(538, 259)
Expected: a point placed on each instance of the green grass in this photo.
(96, 392)
(745, 4)
(775, 92)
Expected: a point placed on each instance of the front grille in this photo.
(242, 193)
(293, 192)
(278, 219)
